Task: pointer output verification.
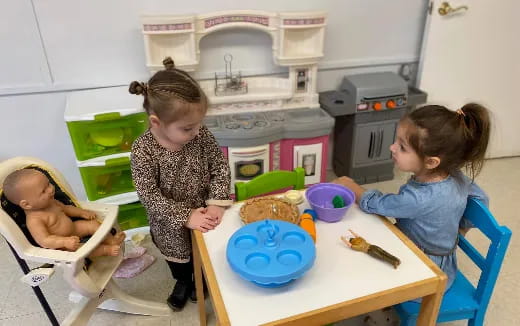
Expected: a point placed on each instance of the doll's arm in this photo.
(73, 211)
(37, 226)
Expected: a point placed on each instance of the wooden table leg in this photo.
(430, 305)
(197, 266)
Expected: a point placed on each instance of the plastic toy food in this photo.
(108, 137)
(294, 196)
(270, 207)
(359, 244)
(249, 170)
(338, 202)
(307, 222)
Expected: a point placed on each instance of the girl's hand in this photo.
(352, 185)
(200, 220)
(345, 181)
(216, 212)
(88, 215)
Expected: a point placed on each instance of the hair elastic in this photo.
(145, 88)
(460, 112)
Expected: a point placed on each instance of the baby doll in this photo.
(48, 220)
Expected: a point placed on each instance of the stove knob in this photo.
(390, 104)
(377, 106)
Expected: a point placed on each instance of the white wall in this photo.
(52, 46)
(32, 125)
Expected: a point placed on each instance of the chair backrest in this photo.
(490, 265)
(12, 217)
(269, 182)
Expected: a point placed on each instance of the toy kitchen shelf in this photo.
(297, 43)
(102, 124)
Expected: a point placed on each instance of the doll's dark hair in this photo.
(171, 93)
(459, 138)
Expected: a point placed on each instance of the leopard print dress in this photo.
(172, 183)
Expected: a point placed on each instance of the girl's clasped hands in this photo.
(205, 219)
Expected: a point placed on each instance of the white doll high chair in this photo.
(92, 287)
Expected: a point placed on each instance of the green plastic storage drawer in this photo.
(112, 178)
(132, 216)
(107, 134)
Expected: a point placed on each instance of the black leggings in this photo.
(182, 271)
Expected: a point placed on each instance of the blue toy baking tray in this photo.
(271, 253)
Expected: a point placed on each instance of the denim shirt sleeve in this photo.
(477, 192)
(474, 192)
(401, 205)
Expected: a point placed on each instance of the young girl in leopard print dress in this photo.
(180, 174)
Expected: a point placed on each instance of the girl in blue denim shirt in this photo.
(433, 143)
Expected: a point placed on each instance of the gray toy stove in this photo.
(367, 108)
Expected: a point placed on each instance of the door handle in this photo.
(372, 145)
(380, 142)
(446, 9)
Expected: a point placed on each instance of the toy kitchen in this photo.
(262, 123)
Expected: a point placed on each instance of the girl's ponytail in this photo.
(475, 121)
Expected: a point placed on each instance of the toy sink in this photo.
(270, 253)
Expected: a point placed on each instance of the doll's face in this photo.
(36, 191)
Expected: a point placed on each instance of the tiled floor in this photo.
(500, 178)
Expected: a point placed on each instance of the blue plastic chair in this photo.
(269, 182)
(463, 301)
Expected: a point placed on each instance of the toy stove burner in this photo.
(247, 121)
(232, 125)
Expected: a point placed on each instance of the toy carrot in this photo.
(359, 244)
(307, 223)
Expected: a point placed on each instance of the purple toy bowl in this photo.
(320, 198)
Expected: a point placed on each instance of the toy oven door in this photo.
(247, 162)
